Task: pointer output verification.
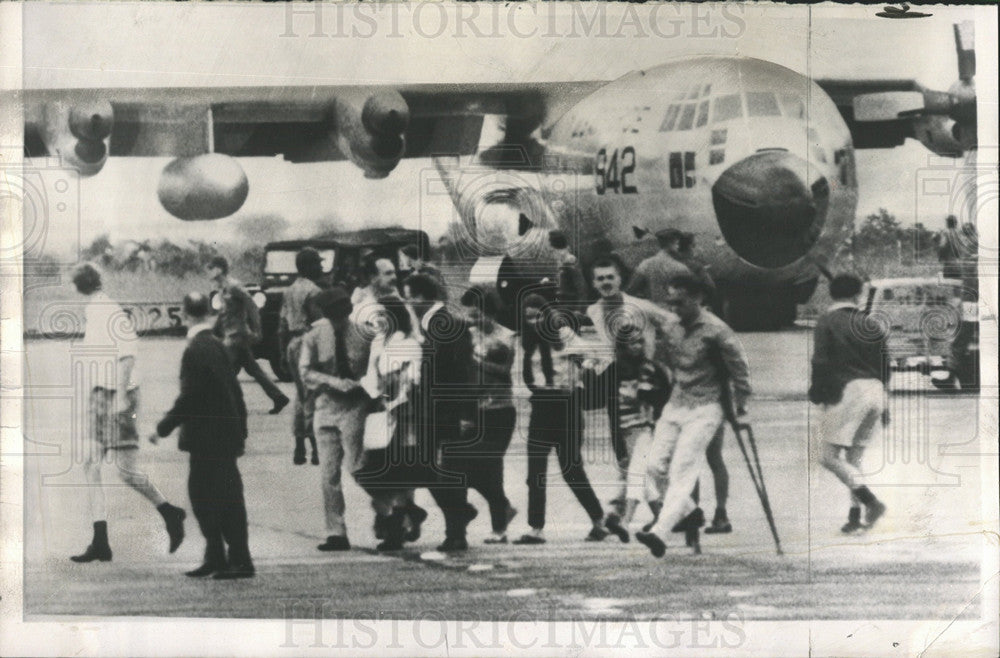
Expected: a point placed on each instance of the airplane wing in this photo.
(883, 113)
(885, 133)
(297, 122)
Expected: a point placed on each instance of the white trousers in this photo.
(632, 481)
(678, 454)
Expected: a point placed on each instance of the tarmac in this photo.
(921, 561)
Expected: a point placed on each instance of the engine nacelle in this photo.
(941, 135)
(78, 134)
(208, 186)
(369, 126)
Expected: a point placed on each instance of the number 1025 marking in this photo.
(612, 173)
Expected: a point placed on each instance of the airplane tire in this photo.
(278, 368)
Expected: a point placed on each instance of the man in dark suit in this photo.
(451, 410)
(213, 421)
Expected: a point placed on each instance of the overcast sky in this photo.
(195, 44)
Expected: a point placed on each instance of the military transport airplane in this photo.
(753, 158)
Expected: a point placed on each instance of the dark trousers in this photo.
(557, 422)
(242, 358)
(482, 463)
(216, 492)
(389, 473)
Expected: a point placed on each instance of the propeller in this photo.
(958, 103)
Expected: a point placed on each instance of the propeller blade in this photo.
(965, 46)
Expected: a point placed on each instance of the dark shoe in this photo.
(235, 571)
(279, 404)
(299, 457)
(379, 527)
(453, 544)
(416, 516)
(719, 527)
(849, 528)
(314, 460)
(102, 553)
(205, 570)
(389, 545)
(335, 543)
(528, 540)
(596, 534)
(695, 519)
(873, 512)
(853, 521)
(174, 518)
(655, 544)
(614, 524)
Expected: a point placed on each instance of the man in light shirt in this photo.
(109, 344)
(710, 372)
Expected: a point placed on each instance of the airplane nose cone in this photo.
(771, 207)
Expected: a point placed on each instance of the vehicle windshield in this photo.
(282, 261)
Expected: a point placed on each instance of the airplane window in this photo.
(887, 294)
(726, 108)
(702, 114)
(706, 90)
(716, 156)
(687, 117)
(668, 121)
(718, 137)
(762, 104)
(689, 169)
(693, 93)
(793, 106)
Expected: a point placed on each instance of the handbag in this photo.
(377, 435)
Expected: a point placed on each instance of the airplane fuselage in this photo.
(752, 158)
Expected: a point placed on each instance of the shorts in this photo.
(852, 421)
(110, 430)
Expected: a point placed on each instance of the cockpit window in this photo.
(693, 93)
(762, 104)
(670, 118)
(687, 117)
(793, 106)
(726, 108)
(702, 114)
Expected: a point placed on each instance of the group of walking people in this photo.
(405, 390)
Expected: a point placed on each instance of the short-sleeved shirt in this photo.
(293, 306)
(109, 336)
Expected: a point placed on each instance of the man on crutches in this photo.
(695, 411)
